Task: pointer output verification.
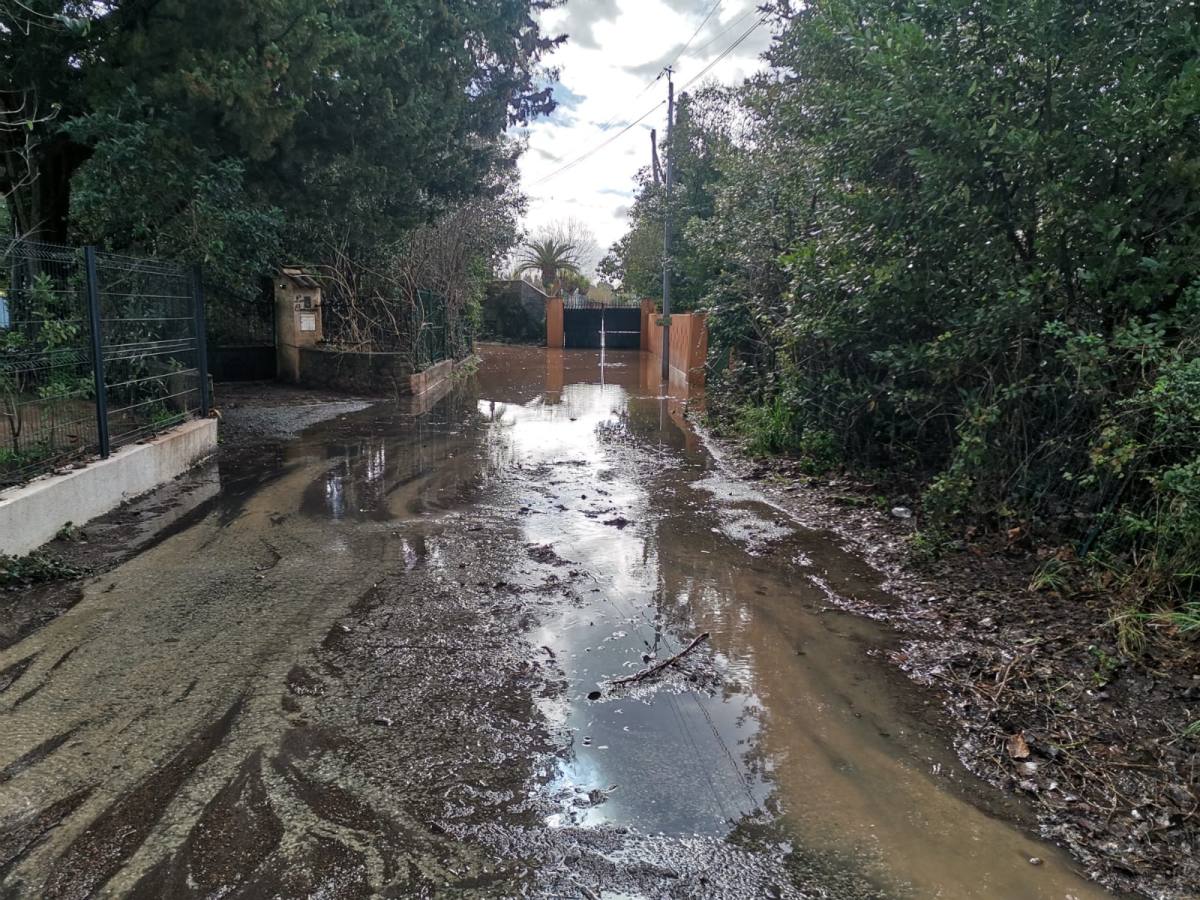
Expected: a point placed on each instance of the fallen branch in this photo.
(658, 667)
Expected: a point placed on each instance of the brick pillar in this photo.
(647, 318)
(554, 323)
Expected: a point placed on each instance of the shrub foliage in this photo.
(957, 241)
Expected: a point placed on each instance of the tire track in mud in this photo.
(37, 754)
(18, 839)
(342, 677)
(108, 842)
(10, 674)
(123, 662)
(193, 637)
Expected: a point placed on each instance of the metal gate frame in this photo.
(623, 328)
(583, 326)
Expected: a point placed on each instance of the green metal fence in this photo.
(97, 351)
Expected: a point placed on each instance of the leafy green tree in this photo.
(934, 234)
(569, 282)
(702, 138)
(201, 209)
(1002, 247)
(359, 118)
(635, 261)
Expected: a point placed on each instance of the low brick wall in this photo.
(689, 340)
(430, 379)
(366, 374)
(430, 386)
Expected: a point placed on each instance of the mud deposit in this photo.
(377, 659)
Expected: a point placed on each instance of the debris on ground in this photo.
(658, 667)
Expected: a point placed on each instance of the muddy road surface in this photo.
(377, 659)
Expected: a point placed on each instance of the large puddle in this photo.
(782, 714)
(782, 734)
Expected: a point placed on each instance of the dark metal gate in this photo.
(623, 328)
(241, 335)
(593, 327)
(582, 327)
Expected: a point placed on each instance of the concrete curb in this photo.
(33, 514)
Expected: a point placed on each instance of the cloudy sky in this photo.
(614, 51)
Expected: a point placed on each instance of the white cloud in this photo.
(614, 49)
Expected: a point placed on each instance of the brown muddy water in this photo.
(376, 660)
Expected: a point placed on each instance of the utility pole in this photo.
(666, 331)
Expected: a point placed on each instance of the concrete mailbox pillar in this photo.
(297, 318)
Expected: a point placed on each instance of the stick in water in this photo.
(655, 669)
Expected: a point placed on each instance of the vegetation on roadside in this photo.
(559, 257)
(957, 244)
(239, 135)
(35, 568)
(53, 334)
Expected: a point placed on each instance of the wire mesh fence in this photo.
(437, 333)
(97, 351)
(47, 388)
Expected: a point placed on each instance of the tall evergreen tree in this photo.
(360, 116)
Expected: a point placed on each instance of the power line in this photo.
(599, 147)
(749, 31)
(679, 55)
(657, 78)
(649, 84)
(728, 28)
(728, 50)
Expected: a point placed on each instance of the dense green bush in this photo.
(959, 240)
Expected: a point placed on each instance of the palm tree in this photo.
(549, 257)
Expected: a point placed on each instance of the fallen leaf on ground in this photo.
(1018, 747)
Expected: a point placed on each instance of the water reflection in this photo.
(777, 719)
(413, 464)
(779, 724)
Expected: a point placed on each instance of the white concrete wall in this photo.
(33, 514)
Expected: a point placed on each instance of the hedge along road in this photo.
(379, 661)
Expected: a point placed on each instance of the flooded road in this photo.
(378, 659)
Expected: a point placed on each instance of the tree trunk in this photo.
(40, 210)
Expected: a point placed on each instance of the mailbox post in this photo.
(297, 318)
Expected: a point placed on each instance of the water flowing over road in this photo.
(377, 660)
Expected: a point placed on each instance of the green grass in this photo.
(1053, 576)
(774, 430)
(928, 546)
(1186, 619)
(1130, 625)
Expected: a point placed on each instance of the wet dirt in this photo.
(1102, 758)
(255, 419)
(377, 659)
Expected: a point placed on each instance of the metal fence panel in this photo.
(97, 351)
(579, 300)
(150, 345)
(47, 393)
